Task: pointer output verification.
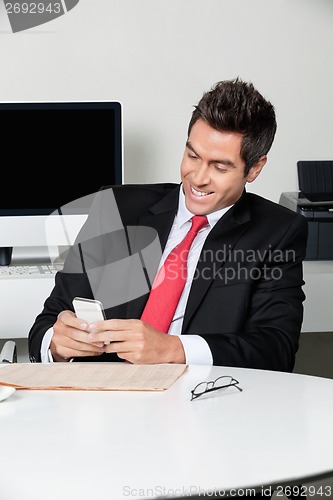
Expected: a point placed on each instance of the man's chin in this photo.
(198, 208)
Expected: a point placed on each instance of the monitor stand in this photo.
(5, 256)
(32, 255)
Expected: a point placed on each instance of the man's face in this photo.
(212, 170)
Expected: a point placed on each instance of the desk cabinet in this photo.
(318, 305)
(20, 302)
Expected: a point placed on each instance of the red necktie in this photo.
(170, 281)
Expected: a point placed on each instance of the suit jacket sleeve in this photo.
(252, 313)
(101, 244)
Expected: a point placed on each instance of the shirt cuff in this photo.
(197, 351)
(45, 353)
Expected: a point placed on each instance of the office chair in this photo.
(8, 352)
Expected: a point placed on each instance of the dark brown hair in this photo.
(236, 106)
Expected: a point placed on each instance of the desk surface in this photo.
(115, 445)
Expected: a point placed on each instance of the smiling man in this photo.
(228, 287)
(213, 171)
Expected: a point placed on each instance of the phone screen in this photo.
(88, 309)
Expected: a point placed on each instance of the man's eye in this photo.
(192, 156)
(220, 169)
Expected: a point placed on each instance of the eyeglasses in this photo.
(214, 385)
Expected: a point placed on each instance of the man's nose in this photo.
(201, 175)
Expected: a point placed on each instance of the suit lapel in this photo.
(220, 241)
(224, 235)
(160, 217)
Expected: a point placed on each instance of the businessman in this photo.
(237, 300)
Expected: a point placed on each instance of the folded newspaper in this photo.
(91, 376)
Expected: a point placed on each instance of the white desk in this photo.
(116, 445)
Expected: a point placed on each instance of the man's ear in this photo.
(256, 169)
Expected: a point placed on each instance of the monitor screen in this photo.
(54, 153)
(57, 152)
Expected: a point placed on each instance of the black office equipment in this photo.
(56, 152)
(315, 202)
(315, 180)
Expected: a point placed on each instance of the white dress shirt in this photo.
(195, 347)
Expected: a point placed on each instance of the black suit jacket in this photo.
(246, 299)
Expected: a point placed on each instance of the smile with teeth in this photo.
(199, 193)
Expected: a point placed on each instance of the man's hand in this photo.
(137, 342)
(71, 338)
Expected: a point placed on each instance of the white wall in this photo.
(159, 56)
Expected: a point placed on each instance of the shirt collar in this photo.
(184, 215)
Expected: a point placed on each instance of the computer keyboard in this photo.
(28, 271)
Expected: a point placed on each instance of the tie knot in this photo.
(198, 222)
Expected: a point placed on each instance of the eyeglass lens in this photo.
(220, 383)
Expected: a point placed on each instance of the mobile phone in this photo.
(89, 310)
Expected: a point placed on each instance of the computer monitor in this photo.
(52, 154)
